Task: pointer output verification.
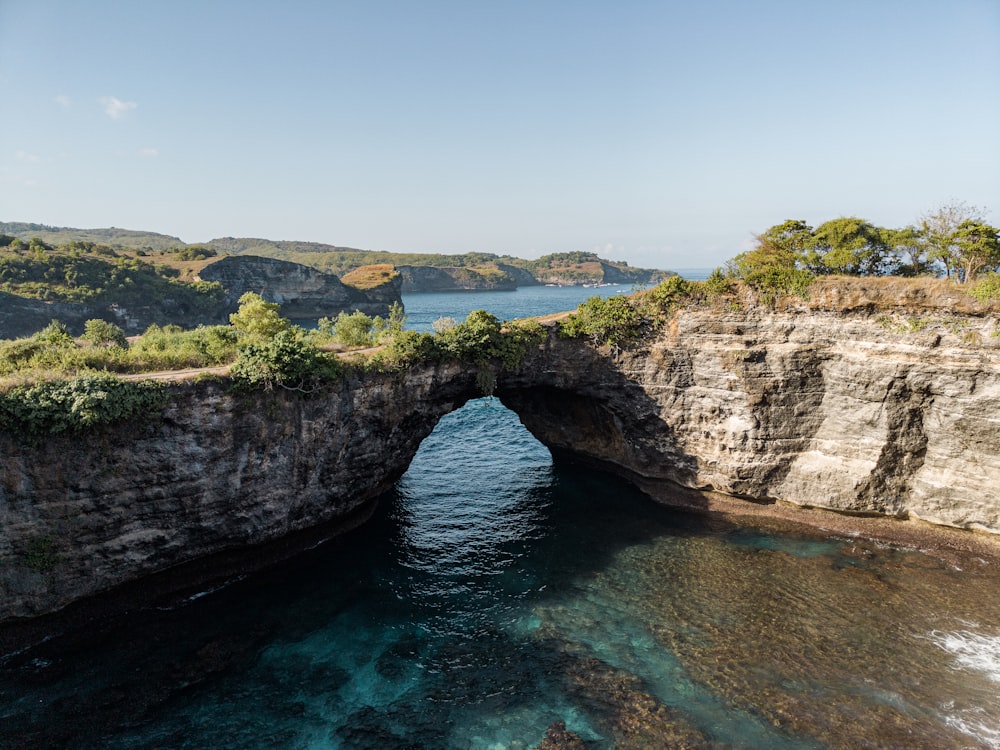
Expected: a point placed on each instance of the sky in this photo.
(666, 134)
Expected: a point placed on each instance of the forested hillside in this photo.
(555, 268)
(85, 272)
(111, 236)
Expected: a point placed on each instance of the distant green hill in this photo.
(556, 268)
(467, 270)
(111, 236)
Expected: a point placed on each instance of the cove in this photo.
(495, 593)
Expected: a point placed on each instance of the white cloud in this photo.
(63, 101)
(116, 108)
(25, 156)
(151, 153)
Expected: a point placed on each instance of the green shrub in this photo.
(287, 360)
(55, 333)
(406, 348)
(614, 321)
(102, 333)
(353, 329)
(171, 348)
(717, 285)
(987, 288)
(773, 282)
(53, 407)
(662, 298)
(195, 253)
(384, 329)
(475, 340)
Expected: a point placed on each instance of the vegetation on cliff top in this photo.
(83, 272)
(265, 352)
(954, 242)
(53, 352)
(54, 407)
(569, 267)
(952, 249)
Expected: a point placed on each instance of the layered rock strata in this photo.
(856, 412)
(812, 407)
(216, 471)
(301, 291)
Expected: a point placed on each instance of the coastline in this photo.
(950, 544)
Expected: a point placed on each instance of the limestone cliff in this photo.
(830, 405)
(866, 413)
(302, 291)
(419, 279)
(216, 471)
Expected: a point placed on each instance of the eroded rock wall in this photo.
(80, 514)
(302, 291)
(851, 411)
(810, 406)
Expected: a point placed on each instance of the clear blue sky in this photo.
(662, 133)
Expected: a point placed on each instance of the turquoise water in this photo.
(495, 593)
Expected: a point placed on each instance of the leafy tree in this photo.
(102, 333)
(257, 318)
(848, 245)
(907, 251)
(353, 329)
(286, 360)
(977, 247)
(939, 233)
(792, 236)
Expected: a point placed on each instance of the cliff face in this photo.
(417, 279)
(217, 471)
(22, 316)
(301, 291)
(809, 406)
(851, 411)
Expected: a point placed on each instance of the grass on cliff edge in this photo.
(619, 321)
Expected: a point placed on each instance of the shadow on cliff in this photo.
(587, 411)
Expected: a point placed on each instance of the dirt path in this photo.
(223, 370)
(179, 374)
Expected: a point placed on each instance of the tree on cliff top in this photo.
(772, 267)
(959, 239)
(850, 246)
(258, 318)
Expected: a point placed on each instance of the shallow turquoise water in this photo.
(494, 593)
